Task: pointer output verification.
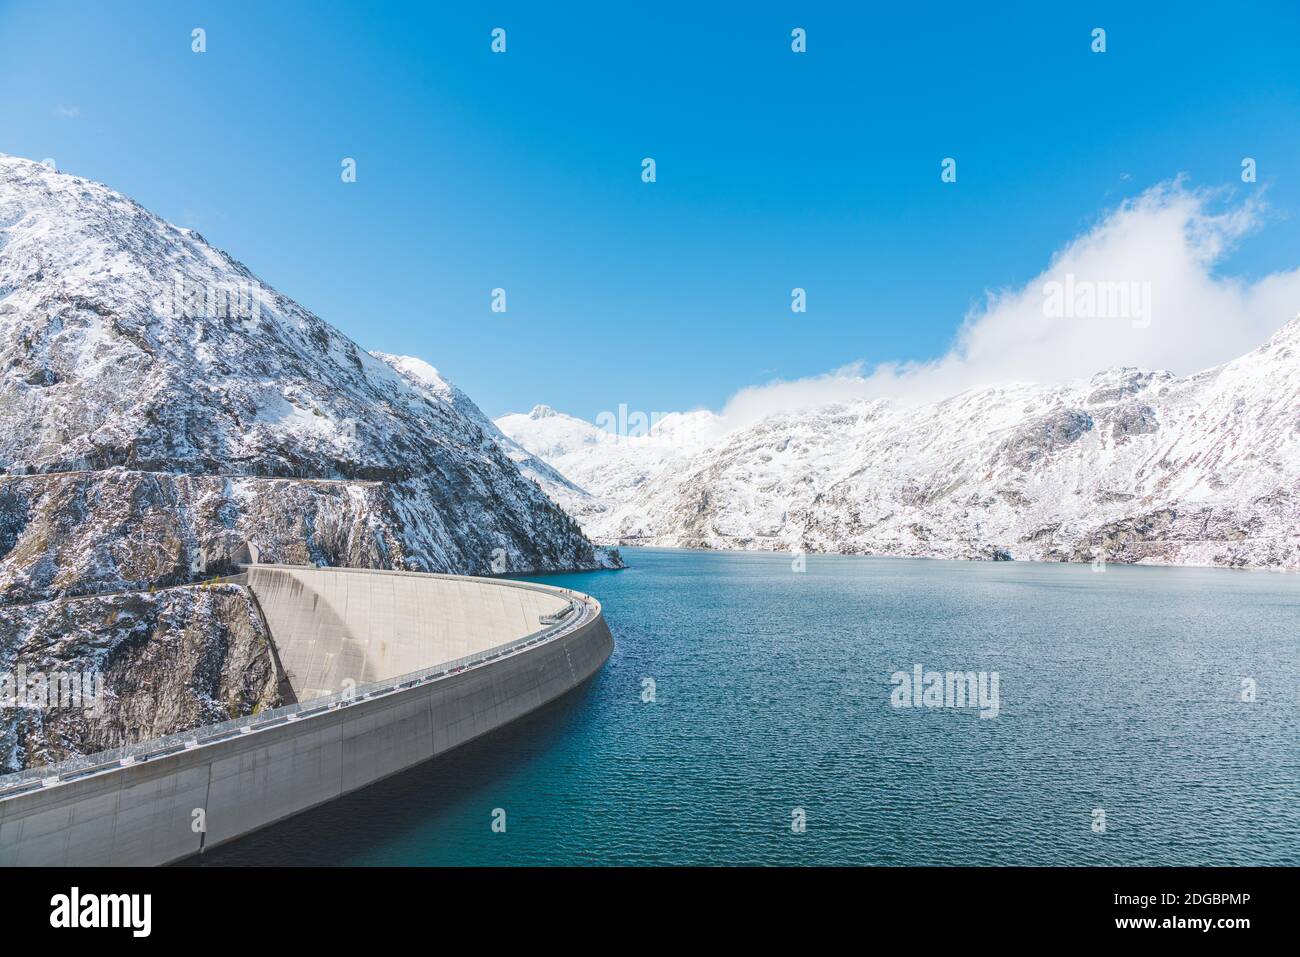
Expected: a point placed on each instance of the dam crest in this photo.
(384, 669)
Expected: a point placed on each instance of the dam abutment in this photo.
(212, 785)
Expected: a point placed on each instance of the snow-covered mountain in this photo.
(609, 464)
(164, 413)
(1132, 466)
(429, 382)
(130, 344)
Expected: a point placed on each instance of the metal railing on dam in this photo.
(104, 761)
(337, 738)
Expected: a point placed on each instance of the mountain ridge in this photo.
(1131, 465)
(164, 416)
(129, 343)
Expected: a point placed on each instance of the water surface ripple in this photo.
(1118, 691)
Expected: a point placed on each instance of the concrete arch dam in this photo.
(389, 669)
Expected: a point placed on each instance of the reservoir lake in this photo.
(753, 713)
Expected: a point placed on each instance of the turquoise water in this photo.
(1118, 692)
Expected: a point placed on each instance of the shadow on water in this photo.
(387, 811)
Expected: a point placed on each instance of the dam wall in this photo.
(333, 625)
(235, 778)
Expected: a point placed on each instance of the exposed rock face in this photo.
(164, 414)
(82, 533)
(128, 343)
(169, 661)
(1042, 437)
(1132, 466)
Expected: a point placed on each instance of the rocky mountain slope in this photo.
(164, 414)
(168, 661)
(1132, 466)
(426, 380)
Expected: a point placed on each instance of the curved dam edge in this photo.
(143, 814)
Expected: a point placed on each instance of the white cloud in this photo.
(1166, 241)
(70, 112)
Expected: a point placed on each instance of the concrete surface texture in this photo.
(337, 625)
(329, 625)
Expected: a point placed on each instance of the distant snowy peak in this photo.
(1132, 465)
(621, 452)
(427, 381)
(550, 434)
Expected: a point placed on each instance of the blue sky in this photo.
(775, 170)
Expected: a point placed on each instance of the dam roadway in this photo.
(388, 669)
